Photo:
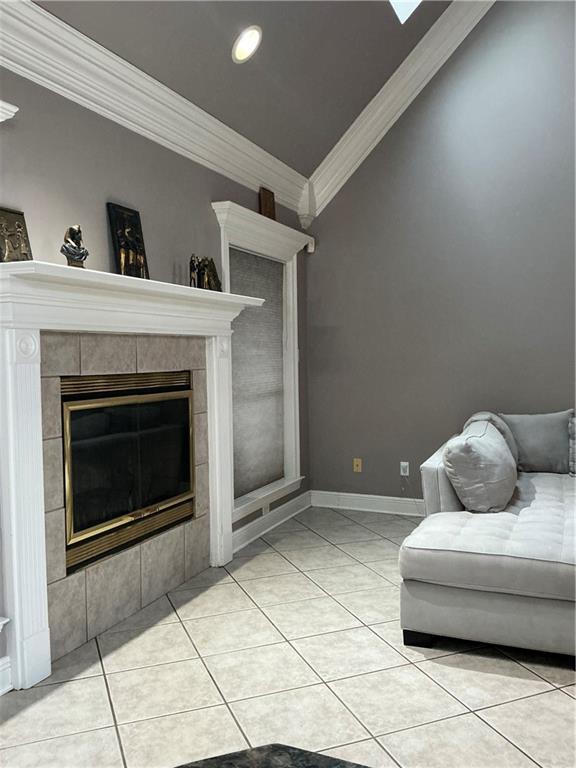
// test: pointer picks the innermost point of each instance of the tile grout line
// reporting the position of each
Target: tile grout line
(226, 704)
(323, 682)
(470, 711)
(320, 682)
(112, 710)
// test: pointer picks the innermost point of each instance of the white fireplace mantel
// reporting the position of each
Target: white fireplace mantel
(36, 296)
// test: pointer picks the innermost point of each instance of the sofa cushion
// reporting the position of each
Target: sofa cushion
(526, 550)
(500, 425)
(542, 439)
(481, 468)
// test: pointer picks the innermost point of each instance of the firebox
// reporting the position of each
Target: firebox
(128, 459)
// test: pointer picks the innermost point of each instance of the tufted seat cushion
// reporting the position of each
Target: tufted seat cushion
(529, 549)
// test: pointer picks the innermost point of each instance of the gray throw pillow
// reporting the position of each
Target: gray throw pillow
(500, 425)
(481, 468)
(572, 458)
(542, 440)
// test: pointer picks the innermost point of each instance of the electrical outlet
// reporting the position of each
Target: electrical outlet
(404, 469)
(357, 465)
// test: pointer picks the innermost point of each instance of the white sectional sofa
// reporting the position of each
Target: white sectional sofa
(505, 577)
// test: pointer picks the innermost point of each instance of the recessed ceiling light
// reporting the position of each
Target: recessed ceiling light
(246, 44)
(404, 8)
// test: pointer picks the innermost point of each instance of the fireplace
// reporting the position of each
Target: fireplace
(128, 459)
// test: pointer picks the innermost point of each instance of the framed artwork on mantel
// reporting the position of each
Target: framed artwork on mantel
(127, 241)
(14, 242)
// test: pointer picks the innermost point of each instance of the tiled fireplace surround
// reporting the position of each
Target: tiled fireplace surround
(56, 320)
(89, 601)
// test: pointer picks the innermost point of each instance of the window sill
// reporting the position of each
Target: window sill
(262, 497)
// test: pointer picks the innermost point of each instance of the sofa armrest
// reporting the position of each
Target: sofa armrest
(439, 495)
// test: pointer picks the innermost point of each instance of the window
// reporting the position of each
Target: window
(258, 373)
(259, 259)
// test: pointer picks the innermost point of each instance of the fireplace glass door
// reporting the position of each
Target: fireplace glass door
(126, 458)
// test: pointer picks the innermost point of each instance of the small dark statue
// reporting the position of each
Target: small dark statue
(73, 248)
(203, 274)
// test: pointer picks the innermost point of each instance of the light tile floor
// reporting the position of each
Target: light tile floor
(296, 641)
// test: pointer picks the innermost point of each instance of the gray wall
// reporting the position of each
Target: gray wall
(61, 163)
(444, 278)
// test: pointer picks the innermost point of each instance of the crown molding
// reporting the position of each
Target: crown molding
(7, 111)
(250, 231)
(370, 127)
(42, 48)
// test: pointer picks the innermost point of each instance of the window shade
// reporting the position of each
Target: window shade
(257, 373)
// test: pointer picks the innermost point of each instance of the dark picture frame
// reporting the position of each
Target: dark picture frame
(14, 240)
(267, 203)
(127, 241)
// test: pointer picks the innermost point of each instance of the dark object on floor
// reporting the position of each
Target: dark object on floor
(272, 756)
(419, 639)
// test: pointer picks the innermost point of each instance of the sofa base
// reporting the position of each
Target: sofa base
(418, 639)
(487, 617)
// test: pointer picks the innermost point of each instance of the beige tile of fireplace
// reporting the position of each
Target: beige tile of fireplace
(202, 501)
(162, 563)
(200, 392)
(51, 408)
(196, 546)
(60, 353)
(94, 748)
(170, 353)
(55, 545)
(112, 590)
(53, 474)
(200, 438)
(67, 614)
(107, 353)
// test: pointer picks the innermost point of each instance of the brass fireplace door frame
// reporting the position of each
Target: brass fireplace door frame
(69, 407)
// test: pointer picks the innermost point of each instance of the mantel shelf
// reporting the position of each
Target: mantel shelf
(37, 294)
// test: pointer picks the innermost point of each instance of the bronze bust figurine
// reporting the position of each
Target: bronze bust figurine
(73, 248)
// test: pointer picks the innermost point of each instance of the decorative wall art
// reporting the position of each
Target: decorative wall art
(267, 203)
(128, 241)
(203, 274)
(73, 247)
(14, 242)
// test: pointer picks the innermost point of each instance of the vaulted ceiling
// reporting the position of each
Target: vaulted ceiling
(319, 64)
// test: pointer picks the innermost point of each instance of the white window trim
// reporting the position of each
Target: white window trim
(248, 231)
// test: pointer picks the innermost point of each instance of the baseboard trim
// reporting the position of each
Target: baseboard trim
(5, 675)
(262, 525)
(364, 502)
